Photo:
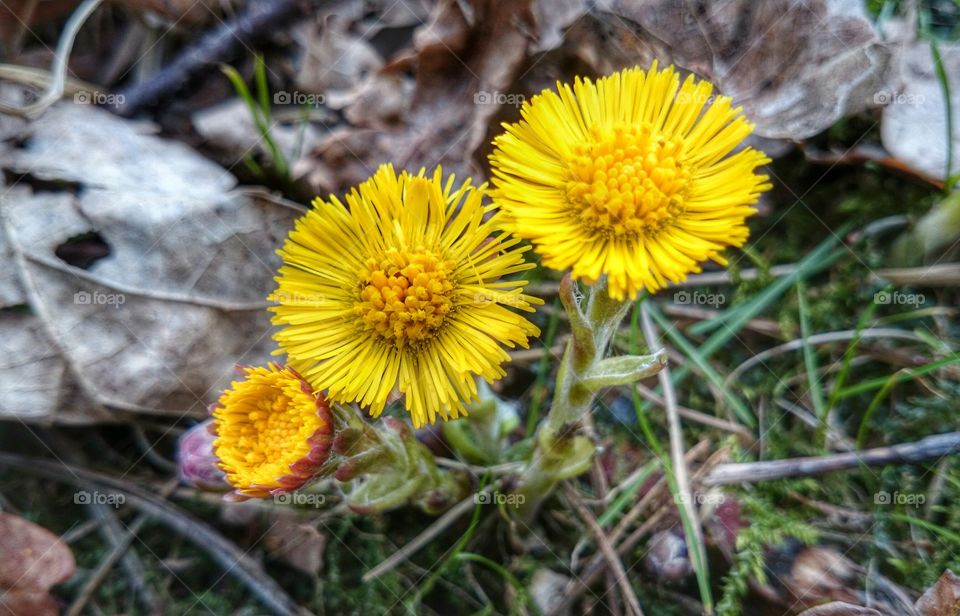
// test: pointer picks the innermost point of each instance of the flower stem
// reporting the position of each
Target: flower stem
(563, 449)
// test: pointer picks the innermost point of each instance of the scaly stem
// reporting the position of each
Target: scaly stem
(563, 450)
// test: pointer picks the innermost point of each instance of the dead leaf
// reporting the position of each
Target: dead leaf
(32, 560)
(230, 134)
(838, 608)
(941, 599)
(795, 67)
(296, 543)
(466, 58)
(336, 60)
(157, 325)
(914, 123)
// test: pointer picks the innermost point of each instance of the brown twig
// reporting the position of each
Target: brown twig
(119, 550)
(931, 447)
(606, 549)
(592, 570)
(702, 418)
(411, 547)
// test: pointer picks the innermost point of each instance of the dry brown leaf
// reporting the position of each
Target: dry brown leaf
(32, 560)
(296, 543)
(795, 67)
(468, 54)
(941, 599)
(156, 326)
(914, 127)
(336, 60)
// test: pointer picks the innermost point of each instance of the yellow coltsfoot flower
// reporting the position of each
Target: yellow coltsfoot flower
(631, 177)
(273, 432)
(400, 289)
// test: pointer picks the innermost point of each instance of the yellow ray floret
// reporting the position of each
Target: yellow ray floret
(273, 433)
(400, 289)
(631, 176)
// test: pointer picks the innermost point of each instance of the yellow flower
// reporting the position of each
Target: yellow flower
(273, 433)
(401, 290)
(630, 177)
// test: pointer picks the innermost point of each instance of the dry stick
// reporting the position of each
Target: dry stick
(606, 548)
(702, 418)
(217, 45)
(423, 538)
(653, 493)
(931, 447)
(679, 464)
(115, 533)
(631, 541)
(118, 551)
(229, 556)
(593, 569)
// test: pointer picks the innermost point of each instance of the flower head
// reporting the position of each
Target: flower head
(273, 432)
(631, 177)
(401, 290)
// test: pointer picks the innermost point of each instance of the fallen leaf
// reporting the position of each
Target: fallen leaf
(914, 122)
(941, 599)
(296, 543)
(336, 60)
(466, 59)
(795, 67)
(158, 324)
(32, 560)
(838, 608)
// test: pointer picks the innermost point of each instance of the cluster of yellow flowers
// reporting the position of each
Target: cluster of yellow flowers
(403, 288)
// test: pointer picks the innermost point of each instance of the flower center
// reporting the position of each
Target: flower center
(627, 181)
(274, 428)
(406, 297)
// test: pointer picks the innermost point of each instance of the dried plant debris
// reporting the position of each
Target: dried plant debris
(941, 599)
(32, 560)
(914, 127)
(158, 323)
(796, 67)
(465, 58)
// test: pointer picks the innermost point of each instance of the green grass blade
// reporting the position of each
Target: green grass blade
(699, 359)
(810, 362)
